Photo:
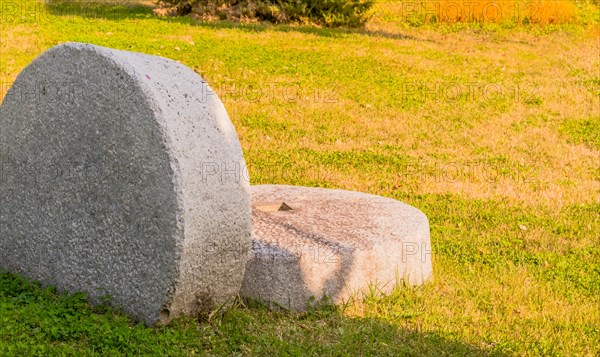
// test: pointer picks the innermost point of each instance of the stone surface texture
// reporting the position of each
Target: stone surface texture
(121, 177)
(331, 243)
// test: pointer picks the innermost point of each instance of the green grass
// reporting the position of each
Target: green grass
(38, 321)
(505, 167)
(583, 131)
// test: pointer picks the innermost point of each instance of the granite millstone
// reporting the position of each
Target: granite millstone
(121, 177)
(309, 243)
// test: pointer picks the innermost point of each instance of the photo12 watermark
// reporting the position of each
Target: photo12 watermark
(46, 91)
(472, 171)
(482, 92)
(272, 92)
(483, 11)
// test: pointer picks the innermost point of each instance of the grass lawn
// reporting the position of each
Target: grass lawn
(493, 132)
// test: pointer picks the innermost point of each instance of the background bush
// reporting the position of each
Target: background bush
(321, 12)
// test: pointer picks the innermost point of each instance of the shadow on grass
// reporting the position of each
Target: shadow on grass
(131, 10)
(41, 321)
(105, 10)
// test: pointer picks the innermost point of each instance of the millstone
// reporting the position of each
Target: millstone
(309, 243)
(121, 179)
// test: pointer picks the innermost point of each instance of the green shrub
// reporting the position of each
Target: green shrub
(320, 12)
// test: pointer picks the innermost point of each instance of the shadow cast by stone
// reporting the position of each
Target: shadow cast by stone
(325, 330)
(347, 335)
(276, 276)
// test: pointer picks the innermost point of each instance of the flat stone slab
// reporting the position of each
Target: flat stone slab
(121, 178)
(311, 242)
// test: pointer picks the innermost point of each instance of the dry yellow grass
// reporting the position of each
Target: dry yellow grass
(475, 148)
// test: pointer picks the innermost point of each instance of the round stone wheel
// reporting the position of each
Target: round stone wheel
(311, 243)
(123, 177)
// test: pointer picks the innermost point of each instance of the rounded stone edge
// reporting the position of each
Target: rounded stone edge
(198, 287)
